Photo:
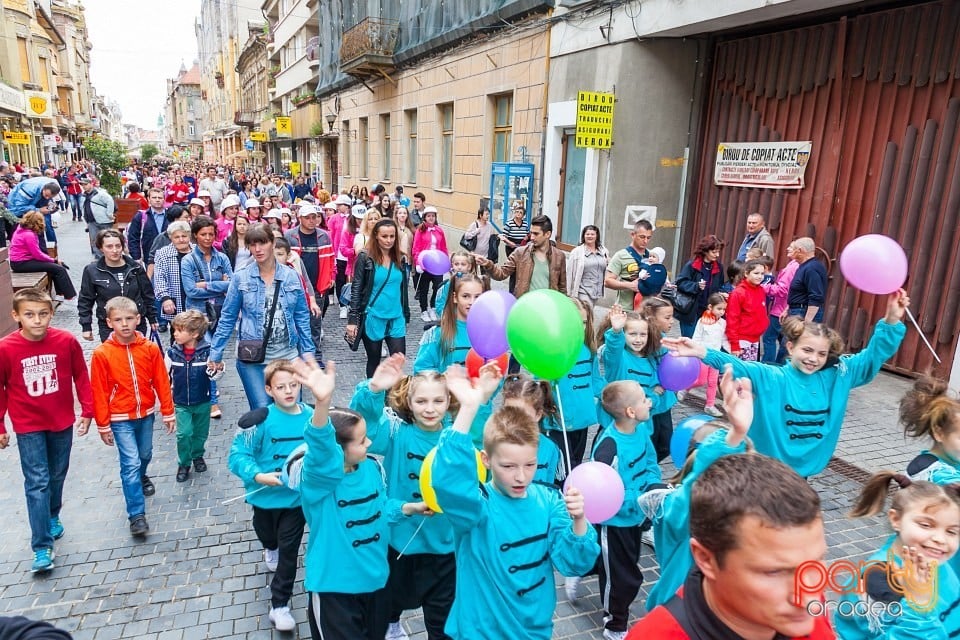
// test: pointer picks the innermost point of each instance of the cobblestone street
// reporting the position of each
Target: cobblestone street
(199, 574)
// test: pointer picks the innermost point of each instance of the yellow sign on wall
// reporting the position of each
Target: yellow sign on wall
(294, 169)
(284, 126)
(16, 137)
(258, 136)
(595, 119)
(38, 104)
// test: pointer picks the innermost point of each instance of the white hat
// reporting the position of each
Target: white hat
(197, 201)
(344, 199)
(229, 201)
(359, 211)
(660, 253)
(252, 202)
(308, 210)
(332, 206)
(275, 213)
(203, 193)
(429, 209)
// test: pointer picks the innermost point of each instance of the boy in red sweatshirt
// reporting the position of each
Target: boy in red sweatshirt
(747, 317)
(39, 369)
(128, 375)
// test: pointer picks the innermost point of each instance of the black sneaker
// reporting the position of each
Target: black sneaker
(139, 526)
(148, 488)
(199, 465)
(183, 473)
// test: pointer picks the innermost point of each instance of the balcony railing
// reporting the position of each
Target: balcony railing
(367, 48)
(243, 118)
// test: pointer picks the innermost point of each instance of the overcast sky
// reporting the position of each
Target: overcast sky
(136, 47)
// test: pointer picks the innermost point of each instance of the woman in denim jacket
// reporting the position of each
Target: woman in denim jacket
(249, 299)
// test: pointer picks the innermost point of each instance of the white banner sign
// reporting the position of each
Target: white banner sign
(12, 99)
(768, 165)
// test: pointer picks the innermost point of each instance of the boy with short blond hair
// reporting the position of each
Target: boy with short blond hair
(39, 368)
(190, 378)
(128, 376)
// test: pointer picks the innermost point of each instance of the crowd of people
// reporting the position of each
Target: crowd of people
(732, 532)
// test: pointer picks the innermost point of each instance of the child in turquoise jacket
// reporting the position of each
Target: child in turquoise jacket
(671, 518)
(576, 393)
(800, 406)
(911, 591)
(267, 436)
(632, 351)
(422, 566)
(345, 502)
(624, 445)
(448, 343)
(510, 534)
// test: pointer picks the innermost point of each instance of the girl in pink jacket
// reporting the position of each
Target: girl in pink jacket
(27, 257)
(429, 235)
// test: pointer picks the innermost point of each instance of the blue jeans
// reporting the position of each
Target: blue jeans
(44, 460)
(48, 232)
(134, 441)
(771, 341)
(251, 377)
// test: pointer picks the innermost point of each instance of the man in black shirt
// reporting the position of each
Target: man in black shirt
(808, 290)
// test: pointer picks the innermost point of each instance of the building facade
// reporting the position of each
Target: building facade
(253, 114)
(183, 108)
(73, 92)
(428, 95)
(294, 31)
(220, 31)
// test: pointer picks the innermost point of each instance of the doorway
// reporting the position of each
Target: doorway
(573, 166)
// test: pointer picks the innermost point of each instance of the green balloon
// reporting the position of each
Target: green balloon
(545, 333)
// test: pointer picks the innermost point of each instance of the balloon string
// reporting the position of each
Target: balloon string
(923, 337)
(246, 495)
(563, 425)
(420, 526)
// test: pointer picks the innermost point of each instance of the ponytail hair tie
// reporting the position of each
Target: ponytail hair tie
(902, 481)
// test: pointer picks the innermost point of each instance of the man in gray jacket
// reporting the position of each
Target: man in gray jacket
(98, 211)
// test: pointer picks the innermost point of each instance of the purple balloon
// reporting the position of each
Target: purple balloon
(435, 262)
(487, 323)
(601, 487)
(678, 372)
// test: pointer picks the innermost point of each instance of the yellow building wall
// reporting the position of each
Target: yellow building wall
(469, 77)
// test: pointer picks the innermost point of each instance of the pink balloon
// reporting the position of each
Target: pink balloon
(677, 373)
(874, 263)
(601, 487)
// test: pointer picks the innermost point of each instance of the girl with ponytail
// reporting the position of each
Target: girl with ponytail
(907, 588)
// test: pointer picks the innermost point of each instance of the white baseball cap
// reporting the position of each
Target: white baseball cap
(308, 210)
(359, 210)
(332, 206)
(252, 202)
(430, 209)
(197, 201)
(344, 199)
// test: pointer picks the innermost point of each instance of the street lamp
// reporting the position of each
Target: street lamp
(331, 118)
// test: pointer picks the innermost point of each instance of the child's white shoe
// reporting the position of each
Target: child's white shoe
(647, 538)
(614, 635)
(282, 620)
(271, 557)
(395, 632)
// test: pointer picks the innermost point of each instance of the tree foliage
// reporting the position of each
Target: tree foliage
(148, 152)
(110, 156)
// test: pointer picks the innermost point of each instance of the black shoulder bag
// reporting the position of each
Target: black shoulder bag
(354, 343)
(254, 351)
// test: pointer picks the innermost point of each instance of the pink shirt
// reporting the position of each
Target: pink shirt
(25, 245)
(780, 287)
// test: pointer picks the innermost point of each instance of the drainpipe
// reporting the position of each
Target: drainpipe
(546, 96)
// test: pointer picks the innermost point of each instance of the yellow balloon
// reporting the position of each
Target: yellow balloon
(426, 479)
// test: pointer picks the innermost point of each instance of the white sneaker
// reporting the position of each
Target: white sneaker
(647, 538)
(384, 352)
(395, 632)
(681, 395)
(343, 312)
(425, 316)
(713, 411)
(570, 586)
(282, 620)
(614, 635)
(270, 558)
(433, 315)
